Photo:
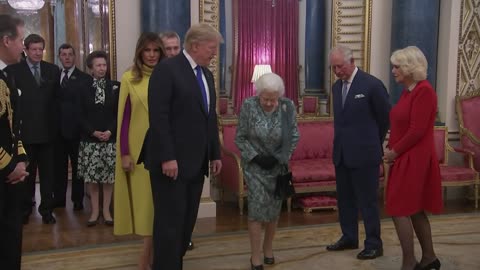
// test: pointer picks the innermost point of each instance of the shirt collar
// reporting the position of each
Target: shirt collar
(70, 70)
(2, 65)
(30, 64)
(190, 59)
(350, 80)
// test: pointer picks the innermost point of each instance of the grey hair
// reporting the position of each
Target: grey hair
(201, 32)
(411, 61)
(270, 82)
(344, 50)
(169, 34)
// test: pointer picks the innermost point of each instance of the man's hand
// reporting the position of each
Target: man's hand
(215, 166)
(170, 169)
(127, 163)
(18, 174)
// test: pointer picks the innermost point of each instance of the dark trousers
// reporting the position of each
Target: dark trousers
(11, 197)
(67, 150)
(41, 156)
(357, 189)
(176, 205)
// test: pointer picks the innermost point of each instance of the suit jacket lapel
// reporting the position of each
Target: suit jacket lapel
(193, 81)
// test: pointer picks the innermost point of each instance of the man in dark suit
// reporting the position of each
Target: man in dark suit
(182, 140)
(12, 154)
(361, 108)
(38, 81)
(72, 82)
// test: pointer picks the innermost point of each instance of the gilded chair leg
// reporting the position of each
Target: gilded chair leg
(240, 204)
(289, 204)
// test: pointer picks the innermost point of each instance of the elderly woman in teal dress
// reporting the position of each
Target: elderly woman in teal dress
(267, 134)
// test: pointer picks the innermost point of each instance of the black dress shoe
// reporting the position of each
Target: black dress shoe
(370, 254)
(269, 261)
(256, 267)
(109, 222)
(77, 206)
(342, 245)
(48, 219)
(190, 245)
(433, 265)
(94, 222)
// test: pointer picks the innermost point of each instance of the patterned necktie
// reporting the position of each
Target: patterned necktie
(36, 74)
(344, 92)
(202, 86)
(65, 79)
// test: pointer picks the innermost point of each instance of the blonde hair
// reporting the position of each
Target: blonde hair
(411, 61)
(201, 32)
(270, 82)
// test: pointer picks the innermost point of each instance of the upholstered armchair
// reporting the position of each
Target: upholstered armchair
(453, 176)
(309, 106)
(468, 111)
(231, 175)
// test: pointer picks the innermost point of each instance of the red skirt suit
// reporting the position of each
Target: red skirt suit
(414, 181)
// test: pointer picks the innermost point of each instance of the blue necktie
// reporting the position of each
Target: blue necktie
(202, 86)
(344, 92)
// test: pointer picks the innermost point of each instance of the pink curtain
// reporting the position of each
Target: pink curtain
(265, 33)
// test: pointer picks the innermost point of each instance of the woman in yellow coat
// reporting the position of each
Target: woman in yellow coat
(133, 202)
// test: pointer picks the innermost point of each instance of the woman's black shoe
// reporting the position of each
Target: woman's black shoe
(256, 267)
(267, 260)
(433, 265)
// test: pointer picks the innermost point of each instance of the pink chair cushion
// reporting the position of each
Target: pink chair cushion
(475, 148)
(223, 105)
(229, 132)
(453, 173)
(316, 141)
(317, 201)
(310, 104)
(439, 137)
(470, 109)
(312, 170)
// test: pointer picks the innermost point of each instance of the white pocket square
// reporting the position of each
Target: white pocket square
(359, 96)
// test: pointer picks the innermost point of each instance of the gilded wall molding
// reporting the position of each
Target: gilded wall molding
(209, 13)
(468, 72)
(112, 39)
(351, 26)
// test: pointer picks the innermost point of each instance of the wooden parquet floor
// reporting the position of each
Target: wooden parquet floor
(456, 239)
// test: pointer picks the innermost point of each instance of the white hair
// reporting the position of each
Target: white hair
(270, 82)
(343, 50)
(411, 61)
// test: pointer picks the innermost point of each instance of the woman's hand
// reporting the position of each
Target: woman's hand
(127, 163)
(389, 155)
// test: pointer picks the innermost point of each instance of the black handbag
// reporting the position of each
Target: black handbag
(284, 186)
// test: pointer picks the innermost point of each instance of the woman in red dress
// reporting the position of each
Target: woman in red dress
(414, 186)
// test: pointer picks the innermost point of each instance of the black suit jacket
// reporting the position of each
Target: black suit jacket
(180, 128)
(100, 117)
(39, 102)
(68, 118)
(362, 123)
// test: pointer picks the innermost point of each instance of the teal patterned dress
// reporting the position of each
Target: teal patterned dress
(261, 133)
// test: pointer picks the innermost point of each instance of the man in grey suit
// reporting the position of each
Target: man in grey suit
(361, 109)
(39, 83)
(181, 143)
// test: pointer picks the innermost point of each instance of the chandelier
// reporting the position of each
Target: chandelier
(26, 6)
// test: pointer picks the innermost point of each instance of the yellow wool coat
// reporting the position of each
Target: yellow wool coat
(133, 203)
